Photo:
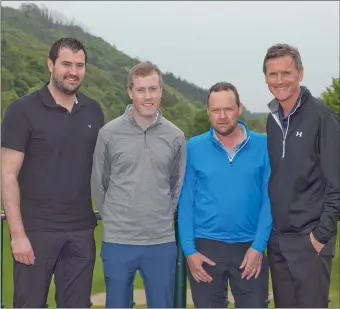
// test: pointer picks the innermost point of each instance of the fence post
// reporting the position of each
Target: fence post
(180, 297)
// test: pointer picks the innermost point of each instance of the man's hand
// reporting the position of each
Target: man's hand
(252, 264)
(22, 250)
(195, 262)
(318, 246)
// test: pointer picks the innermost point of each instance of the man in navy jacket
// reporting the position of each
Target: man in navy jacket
(304, 187)
(224, 212)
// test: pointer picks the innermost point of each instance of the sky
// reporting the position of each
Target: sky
(208, 42)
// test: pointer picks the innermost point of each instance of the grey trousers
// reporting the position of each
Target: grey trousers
(300, 276)
(228, 257)
(70, 256)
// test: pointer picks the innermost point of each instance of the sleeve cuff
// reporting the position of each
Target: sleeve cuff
(258, 246)
(322, 235)
(188, 252)
(13, 146)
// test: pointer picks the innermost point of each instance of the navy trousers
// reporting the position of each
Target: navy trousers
(156, 264)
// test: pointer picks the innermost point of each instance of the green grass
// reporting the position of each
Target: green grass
(98, 278)
(98, 284)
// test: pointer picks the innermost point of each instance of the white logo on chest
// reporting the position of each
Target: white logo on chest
(89, 126)
(299, 134)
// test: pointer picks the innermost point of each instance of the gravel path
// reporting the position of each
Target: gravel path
(139, 298)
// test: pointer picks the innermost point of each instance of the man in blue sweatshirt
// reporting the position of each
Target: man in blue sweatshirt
(224, 212)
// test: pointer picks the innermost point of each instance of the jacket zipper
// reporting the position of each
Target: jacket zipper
(279, 123)
(233, 157)
(145, 138)
(144, 132)
(283, 134)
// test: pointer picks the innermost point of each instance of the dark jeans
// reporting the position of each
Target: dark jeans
(70, 256)
(228, 258)
(157, 266)
(300, 276)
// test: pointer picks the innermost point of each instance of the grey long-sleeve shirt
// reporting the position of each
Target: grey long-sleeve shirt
(137, 177)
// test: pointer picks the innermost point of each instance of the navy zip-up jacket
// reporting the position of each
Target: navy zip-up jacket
(304, 186)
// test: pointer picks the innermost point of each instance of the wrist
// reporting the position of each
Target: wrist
(188, 253)
(255, 246)
(17, 234)
(319, 237)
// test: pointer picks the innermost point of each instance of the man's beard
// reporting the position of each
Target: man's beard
(59, 83)
(228, 132)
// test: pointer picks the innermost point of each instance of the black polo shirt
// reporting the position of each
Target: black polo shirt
(54, 179)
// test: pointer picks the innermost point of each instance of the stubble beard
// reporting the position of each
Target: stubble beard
(58, 83)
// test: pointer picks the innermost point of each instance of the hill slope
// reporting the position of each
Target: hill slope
(28, 33)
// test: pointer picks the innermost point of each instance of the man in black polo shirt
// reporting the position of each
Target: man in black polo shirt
(304, 187)
(48, 139)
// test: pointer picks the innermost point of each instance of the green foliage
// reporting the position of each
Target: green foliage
(28, 33)
(332, 96)
(201, 122)
(7, 97)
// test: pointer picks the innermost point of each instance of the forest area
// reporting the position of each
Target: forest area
(28, 33)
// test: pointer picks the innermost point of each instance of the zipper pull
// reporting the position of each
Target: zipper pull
(144, 138)
(283, 148)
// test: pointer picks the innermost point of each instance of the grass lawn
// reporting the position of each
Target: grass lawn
(98, 284)
(98, 279)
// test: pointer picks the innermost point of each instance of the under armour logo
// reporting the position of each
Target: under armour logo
(89, 126)
(298, 133)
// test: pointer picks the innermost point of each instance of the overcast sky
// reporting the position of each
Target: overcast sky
(207, 42)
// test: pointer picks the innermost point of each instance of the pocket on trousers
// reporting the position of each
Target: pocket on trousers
(327, 250)
(310, 245)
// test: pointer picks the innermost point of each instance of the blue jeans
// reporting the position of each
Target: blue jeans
(156, 264)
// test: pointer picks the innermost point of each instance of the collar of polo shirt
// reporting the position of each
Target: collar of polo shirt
(49, 101)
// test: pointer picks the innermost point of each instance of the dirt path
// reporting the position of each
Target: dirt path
(139, 298)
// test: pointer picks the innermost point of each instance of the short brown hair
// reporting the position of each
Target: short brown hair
(224, 86)
(282, 50)
(70, 43)
(141, 70)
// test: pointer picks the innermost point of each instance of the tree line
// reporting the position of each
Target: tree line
(28, 33)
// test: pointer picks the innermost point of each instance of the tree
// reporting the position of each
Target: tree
(201, 122)
(7, 97)
(332, 96)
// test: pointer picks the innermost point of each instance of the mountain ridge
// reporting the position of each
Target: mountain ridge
(28, 33)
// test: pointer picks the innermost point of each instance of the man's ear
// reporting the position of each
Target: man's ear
(240, 109)
(301, 73)
(129, 93)
(50, 65)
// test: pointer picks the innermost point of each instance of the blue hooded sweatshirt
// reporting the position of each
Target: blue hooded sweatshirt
(225, 198)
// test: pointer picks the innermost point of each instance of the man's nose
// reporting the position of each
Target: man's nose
(72, 70)
(147, 94)
(223, 114)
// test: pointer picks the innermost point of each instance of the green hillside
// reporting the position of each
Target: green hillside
(28, 33)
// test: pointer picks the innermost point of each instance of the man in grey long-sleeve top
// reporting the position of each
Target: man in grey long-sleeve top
(138, 169)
